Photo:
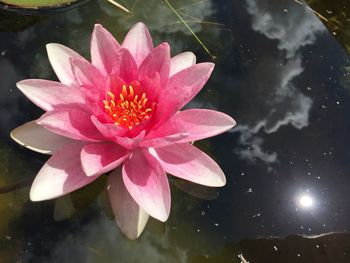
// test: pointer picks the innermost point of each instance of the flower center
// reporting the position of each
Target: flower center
(129, 109)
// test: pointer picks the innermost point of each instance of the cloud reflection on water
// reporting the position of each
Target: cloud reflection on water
(291, 24)
(271, 83)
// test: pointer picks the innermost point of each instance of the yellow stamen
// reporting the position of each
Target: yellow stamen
(131, 91)
(128, 111)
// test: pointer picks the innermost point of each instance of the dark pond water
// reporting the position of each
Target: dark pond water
(279, 72)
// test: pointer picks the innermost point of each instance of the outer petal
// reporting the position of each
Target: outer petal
(104, 50)
(148, 185)
(181, 62)
(181, 88)
(60, 175)
(71, 123)
(59, 57)
(158, 61)
(139, 42)
(100, 158)
(37, 138)
(50, 95)
(197, 124)
(129, 216)
(187, 162)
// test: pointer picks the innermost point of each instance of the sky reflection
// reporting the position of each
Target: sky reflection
(274, 75)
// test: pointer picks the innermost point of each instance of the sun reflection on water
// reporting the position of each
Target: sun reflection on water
(306, 201)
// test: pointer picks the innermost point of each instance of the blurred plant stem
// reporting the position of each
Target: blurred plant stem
(189, 28)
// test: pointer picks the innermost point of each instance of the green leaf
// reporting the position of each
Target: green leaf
(37, 3)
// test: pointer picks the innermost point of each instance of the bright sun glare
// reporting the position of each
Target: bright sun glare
(306, 201)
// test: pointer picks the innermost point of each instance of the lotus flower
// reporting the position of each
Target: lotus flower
(122, 110)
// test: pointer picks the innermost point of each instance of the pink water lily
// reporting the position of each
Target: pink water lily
(122, 110)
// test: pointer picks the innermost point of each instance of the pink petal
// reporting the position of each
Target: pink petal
(59, 57)
(71, 123)
(130, 143)
(181, 62)
(164, 141)
(158, 61)
(60, 175)
(129, 216)
(104, 50)
(196, 123)
(181, 88)
(108, 130)
(152, 85)
(91, 82)
(187, 162)
(139, 42)
(148, 185)
(128, 67)
(50, 95)
(101, 158)
(37, 138)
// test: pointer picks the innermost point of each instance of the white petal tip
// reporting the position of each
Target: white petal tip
(211, 65)
(220, 183)
(215, 182)
(228, 121)
(162, 217)
(90, 174)
(50, 46)
(233, 123)
(34, 196)
(20, 84)
(139, 24)
(38, 194)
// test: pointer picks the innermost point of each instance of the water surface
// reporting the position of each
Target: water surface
(279, 72)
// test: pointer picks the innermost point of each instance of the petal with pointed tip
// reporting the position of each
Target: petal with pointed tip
(60, 175)
(104, 50)
(129, 216)
(181, 88)
(181, 62)
(158, 61)
(59, 57)
(50, 95)
(188, 162)
(147, 183)
(196, 123)
(36, 138)
(101, 158)
(139, 42)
